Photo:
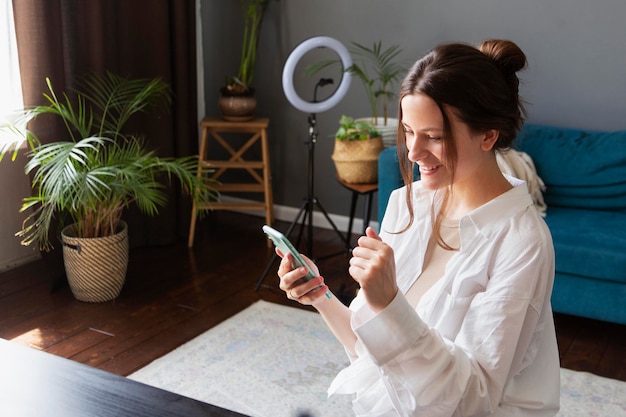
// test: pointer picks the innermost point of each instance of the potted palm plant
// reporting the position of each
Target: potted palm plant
(357, 145)
(379, 73)
(237, 100)
(95, 174)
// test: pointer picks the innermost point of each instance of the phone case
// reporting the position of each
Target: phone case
(281, 242)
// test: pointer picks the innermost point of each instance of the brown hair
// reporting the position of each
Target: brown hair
(480, 85)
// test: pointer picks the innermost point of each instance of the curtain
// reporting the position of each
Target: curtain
(65, 39)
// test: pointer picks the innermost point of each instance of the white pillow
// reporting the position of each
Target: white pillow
(520, 165)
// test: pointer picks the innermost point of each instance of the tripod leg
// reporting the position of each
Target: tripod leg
(265, 272)
(345, 239)
(304, 208)
(301, 228)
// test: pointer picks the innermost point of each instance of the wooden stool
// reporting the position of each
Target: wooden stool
(368, 191)
(259, 170)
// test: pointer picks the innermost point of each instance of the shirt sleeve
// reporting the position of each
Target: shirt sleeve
(426, 374)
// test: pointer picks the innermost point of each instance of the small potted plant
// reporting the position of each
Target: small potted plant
(237, 100)
(379, 74)
(357, 145)
(94, 174)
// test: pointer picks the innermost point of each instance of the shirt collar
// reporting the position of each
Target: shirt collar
(501, 208)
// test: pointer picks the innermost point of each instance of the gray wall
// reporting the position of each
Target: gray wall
(576, 76)
(14, 185)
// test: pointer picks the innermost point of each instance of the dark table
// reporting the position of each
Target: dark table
(35, 383)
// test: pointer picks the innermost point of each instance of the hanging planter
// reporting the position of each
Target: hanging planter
(95, 267)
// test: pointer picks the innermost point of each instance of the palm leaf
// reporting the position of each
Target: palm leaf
(100, 170)
(117, 98)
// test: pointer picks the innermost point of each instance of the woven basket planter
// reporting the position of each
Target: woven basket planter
(95, 267)
(356, 161)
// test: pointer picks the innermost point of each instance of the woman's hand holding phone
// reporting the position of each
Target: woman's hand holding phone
(299, 276)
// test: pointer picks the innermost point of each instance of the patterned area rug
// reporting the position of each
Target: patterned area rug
(276, 361)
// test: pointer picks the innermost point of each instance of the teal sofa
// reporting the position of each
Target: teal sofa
(585, 176)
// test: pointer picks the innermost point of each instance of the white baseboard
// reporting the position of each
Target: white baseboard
(288, 214)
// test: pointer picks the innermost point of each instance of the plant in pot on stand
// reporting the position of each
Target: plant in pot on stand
(379, 73)
(357, 145)
(94, 175)
(237, 100)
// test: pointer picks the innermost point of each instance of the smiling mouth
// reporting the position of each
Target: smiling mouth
(429, 168)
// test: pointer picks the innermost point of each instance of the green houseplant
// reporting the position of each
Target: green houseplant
(253, 13)
(97, 172)
(379, 72)
(357, 145)
(351, 129)
(237, 100)
(385, 73)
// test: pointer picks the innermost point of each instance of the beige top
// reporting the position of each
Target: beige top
(435, 260)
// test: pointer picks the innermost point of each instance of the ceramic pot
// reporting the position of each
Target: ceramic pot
(237, 107)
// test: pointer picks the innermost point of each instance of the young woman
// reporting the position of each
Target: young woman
(453, 317)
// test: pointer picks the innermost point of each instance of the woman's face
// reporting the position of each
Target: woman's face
(423, 125)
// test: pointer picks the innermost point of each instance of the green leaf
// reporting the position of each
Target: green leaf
(98, 170)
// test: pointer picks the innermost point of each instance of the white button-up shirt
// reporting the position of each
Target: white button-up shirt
(481, 340)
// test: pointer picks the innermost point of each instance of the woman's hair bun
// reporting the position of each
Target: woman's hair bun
(506, 54)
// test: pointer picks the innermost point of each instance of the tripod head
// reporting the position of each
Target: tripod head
(312, 119)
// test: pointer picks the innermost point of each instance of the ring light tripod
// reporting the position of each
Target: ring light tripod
(311, 202)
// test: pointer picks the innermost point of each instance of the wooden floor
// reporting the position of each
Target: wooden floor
(173, 294)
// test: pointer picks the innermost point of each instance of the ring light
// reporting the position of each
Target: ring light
(310, 202)
(290, 67)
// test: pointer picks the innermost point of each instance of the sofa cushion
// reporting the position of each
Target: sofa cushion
(589, 243)
(581, 168)
(593, 298)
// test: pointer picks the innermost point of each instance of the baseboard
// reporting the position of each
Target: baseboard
(14, 263)
(288, 214)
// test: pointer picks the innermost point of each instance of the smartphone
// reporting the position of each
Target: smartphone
(284, 245)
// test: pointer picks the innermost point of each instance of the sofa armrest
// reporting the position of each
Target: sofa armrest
(389, 178)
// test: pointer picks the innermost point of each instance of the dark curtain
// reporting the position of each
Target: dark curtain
(65, 39)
